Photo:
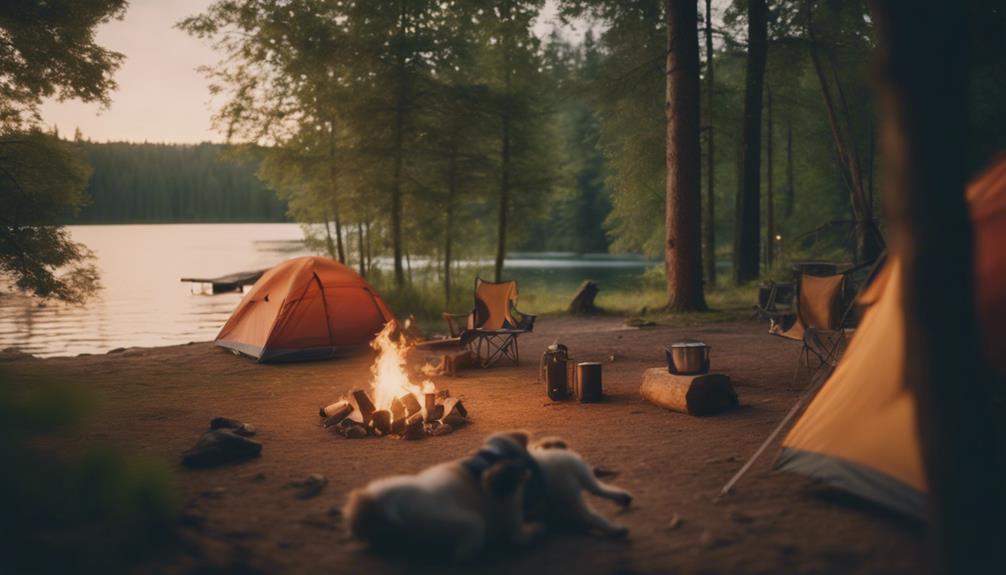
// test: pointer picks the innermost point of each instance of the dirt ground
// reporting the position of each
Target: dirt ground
(156, 403)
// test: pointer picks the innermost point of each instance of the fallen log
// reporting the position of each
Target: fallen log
(705, 394)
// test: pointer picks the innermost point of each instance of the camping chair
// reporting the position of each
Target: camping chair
(492, 327)
(826, 312)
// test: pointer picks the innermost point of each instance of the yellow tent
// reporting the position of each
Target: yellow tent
(859, 433)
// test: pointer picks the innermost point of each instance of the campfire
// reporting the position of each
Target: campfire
(394, 405)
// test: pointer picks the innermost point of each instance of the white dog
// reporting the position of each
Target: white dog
(453, 509)
(557, 500)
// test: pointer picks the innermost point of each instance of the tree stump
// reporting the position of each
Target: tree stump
(583, 301)
(705, 394)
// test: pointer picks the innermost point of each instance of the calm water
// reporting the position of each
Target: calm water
(143, 303)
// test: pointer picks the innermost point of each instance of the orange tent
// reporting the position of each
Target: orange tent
(305, 308)
(859, 433)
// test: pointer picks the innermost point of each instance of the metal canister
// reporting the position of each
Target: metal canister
(555, 371)
(588, 382)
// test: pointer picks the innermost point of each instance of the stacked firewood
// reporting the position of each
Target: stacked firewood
(357, 417)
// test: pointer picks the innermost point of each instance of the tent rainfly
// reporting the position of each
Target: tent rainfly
(304, 309)
(859, 433)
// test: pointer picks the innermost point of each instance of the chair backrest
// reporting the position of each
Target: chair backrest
(819, 301)
(493, 302)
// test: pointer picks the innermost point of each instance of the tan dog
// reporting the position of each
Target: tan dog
(454, 509)
(564, 477)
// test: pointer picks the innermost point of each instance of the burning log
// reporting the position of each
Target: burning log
(411, 404)
(382, 421)
(414, 429)
(335, 413)
(437, 428)
(436, 413)
(692, 394)
(430, 398)
(335, 408)
(398, 409)
(455, 413)
(361, 400)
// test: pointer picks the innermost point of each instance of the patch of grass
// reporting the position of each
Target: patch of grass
(61, 512)
(425, 299)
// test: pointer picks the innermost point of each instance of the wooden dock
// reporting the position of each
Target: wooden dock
(229, 282)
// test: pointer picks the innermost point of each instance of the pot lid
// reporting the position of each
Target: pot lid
(688, 343)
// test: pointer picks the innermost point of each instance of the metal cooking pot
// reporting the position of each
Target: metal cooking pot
(688, 357)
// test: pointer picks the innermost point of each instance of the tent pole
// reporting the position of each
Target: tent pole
(821, 376)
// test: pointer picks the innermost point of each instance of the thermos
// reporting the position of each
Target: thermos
(555, 370)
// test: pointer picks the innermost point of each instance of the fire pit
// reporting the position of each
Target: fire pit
(394, 405)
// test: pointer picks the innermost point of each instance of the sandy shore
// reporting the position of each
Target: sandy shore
(156, 402)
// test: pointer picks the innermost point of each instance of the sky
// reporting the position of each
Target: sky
(161, 96)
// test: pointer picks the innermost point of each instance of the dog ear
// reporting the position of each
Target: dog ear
(520, 436)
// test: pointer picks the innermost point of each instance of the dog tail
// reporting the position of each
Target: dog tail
(366, 518)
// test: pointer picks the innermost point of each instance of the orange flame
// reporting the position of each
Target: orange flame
(390, 377)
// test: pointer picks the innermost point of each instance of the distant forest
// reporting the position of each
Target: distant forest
(171, 183)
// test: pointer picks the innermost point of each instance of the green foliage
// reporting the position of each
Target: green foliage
(42, 182)
(48, 51)
(62, 512)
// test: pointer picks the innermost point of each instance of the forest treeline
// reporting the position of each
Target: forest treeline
(172, 183)
(452, 130)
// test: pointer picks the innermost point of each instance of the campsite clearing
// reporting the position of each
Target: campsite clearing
(155, 402)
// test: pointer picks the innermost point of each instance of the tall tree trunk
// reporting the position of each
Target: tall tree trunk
(363, 257)
(709, 257)
(747, 224)
(769, 183)
(452, 193)
(396, 182)
(329, 244)
(340, 247)
(925, 142)
(333, 174)
(869, 243)
(790, 190)
(683, 246)
(504, 199)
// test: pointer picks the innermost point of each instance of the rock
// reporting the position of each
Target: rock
(583, 300)
(260, 476)
(438, 428)
(220, 446)
(335, 512)
(238, 427)
(310, 486)
(351, 429)
(639, 322)
(116, 350)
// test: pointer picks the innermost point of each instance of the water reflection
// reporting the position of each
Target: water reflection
(143, 303)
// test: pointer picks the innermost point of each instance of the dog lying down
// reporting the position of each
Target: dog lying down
(501, 495)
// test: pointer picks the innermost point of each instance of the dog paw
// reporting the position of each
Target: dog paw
(624, 499)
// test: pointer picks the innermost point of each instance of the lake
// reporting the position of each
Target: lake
(143, 303)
